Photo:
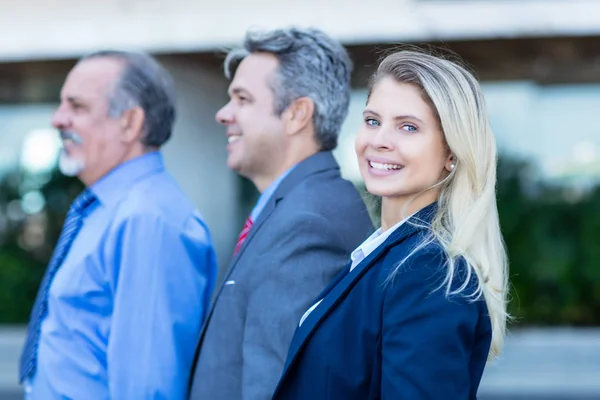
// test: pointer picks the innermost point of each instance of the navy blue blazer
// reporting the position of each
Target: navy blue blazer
(400, 340)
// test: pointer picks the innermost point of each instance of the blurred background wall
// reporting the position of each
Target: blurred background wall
(539, 63)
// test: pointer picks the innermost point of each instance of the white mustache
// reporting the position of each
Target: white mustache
(68, 135)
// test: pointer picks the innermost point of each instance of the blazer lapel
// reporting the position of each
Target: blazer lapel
(263, 216)
(316, 163)
(337, 293)
(321, 161)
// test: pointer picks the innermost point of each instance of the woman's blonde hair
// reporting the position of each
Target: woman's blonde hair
(466, 221)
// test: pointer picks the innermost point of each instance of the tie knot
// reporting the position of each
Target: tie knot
(83, 201)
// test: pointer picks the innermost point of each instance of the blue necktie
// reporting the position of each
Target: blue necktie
(73, 222)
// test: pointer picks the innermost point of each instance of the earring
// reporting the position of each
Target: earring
(452, 166)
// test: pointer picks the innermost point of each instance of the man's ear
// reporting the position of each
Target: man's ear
(132, 124)
(298, 115)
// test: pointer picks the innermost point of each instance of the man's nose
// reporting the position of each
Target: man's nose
(225, 115)
(60, 119)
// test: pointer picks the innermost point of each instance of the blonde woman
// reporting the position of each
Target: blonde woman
(421, 306)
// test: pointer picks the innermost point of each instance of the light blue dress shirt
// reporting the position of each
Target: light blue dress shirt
(126, 306)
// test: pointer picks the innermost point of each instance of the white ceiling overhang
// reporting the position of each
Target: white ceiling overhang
(53, 29)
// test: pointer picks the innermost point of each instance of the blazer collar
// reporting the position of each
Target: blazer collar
(316, 163)
(336, 291)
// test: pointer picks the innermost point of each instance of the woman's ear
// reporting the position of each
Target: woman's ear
(451, 163)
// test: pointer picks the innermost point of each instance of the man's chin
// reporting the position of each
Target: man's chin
(69, 166)
(233, 164)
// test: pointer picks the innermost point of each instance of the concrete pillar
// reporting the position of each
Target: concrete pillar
(196, 154)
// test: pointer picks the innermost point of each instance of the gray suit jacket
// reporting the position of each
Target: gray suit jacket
(300, 241)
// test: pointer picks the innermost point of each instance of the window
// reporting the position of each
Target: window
(34, 199)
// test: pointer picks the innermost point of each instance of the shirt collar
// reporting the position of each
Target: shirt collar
(112, 187)
(372, 242)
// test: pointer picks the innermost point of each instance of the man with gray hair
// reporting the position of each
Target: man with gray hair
(288, 99)
(127, 288)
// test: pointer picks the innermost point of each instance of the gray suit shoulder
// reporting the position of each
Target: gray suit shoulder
(327, 195)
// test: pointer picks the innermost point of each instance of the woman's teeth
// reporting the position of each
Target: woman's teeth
(387, 167)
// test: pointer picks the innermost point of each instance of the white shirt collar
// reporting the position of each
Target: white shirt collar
(372, 242)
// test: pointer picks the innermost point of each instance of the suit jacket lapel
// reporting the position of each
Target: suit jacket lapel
(263, 216)
(344, 285)
(319, 162)
(316, 163)
(343, 273)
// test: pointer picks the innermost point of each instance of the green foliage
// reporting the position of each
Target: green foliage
(20, 275)
(22, 264)
(554, 249)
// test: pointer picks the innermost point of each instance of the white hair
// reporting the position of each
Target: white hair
(466, 221)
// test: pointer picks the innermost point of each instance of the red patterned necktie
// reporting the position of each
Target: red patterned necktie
(243, 235)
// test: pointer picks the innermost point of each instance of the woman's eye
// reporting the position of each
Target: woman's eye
(409, 128)
(371, 122)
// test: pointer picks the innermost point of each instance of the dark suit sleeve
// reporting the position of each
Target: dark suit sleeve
(426, 337)
(304, 259)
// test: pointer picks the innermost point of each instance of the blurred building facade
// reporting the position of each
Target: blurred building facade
(533, 53)
(537, 59)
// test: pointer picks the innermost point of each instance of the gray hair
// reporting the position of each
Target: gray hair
(311, 64)
(145, 84)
